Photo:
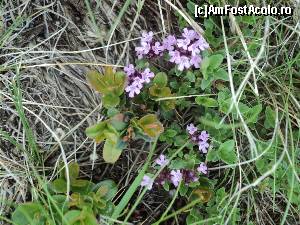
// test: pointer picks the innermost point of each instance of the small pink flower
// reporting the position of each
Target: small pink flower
(129, 70)
(194, 48)
(133, 90)
(202, 168)
(184, 63)
(169, 42)
(189, 34)
(183, 43)
(191, 129)
(203, 146)
(202, 44)
(146, 75)
(162, 160)
(147, 36)
(195, 61)
(143, 49)
(147, 182)
(176, 177)
(175, 56)
(204, 136)
(157, 48)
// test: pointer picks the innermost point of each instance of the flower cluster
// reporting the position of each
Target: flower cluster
(185, 51)
(136, 79)
(200, 138)
(149, 48)
(174, 176)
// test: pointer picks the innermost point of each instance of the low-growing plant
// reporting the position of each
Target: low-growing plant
(86, 203)
(145, 85)
(190, 86)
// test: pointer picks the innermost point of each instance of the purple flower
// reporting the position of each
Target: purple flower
(202, 168)
(176, 177)
(195, 61)
(157, 48)
(169, 42)
(199, 138)
(183, 43)
(133, 90)
(191, 129)
(147, 182)
(129, 70)
(194, 49)
(202, 44)
(203, 146)
(147, 36)
(203, 136)
(136, 80)
(184, 63)
(146, 75)
(189, 34)
(143, 49)
(162, 160)
(175, 56)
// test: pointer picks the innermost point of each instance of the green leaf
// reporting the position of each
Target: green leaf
(107, 189)
(94, 78)
(253, 113)
(150, 125)
(161, 79)
(82, 186)
(119, 82)
(117, 121)
(76, 200)
(160, 91)
(97, 131)
(191, 7)
(111, 112)
(190, 76)
(205, 83)
(179, 164)
(73, 171)
(29, 213)
(207, 102)
(112, 137)
(212, 156)
(203, 194)
(59, 185)
(61, 201)
(110, 100)
(73, 216)
(111, 151)
(108, 84)
(170, 133)
(210, 68)
(77, 217)
(215, 61)
(221, 74)
(226, 152)
(183, 189)
(204, 67)
(270, 118)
